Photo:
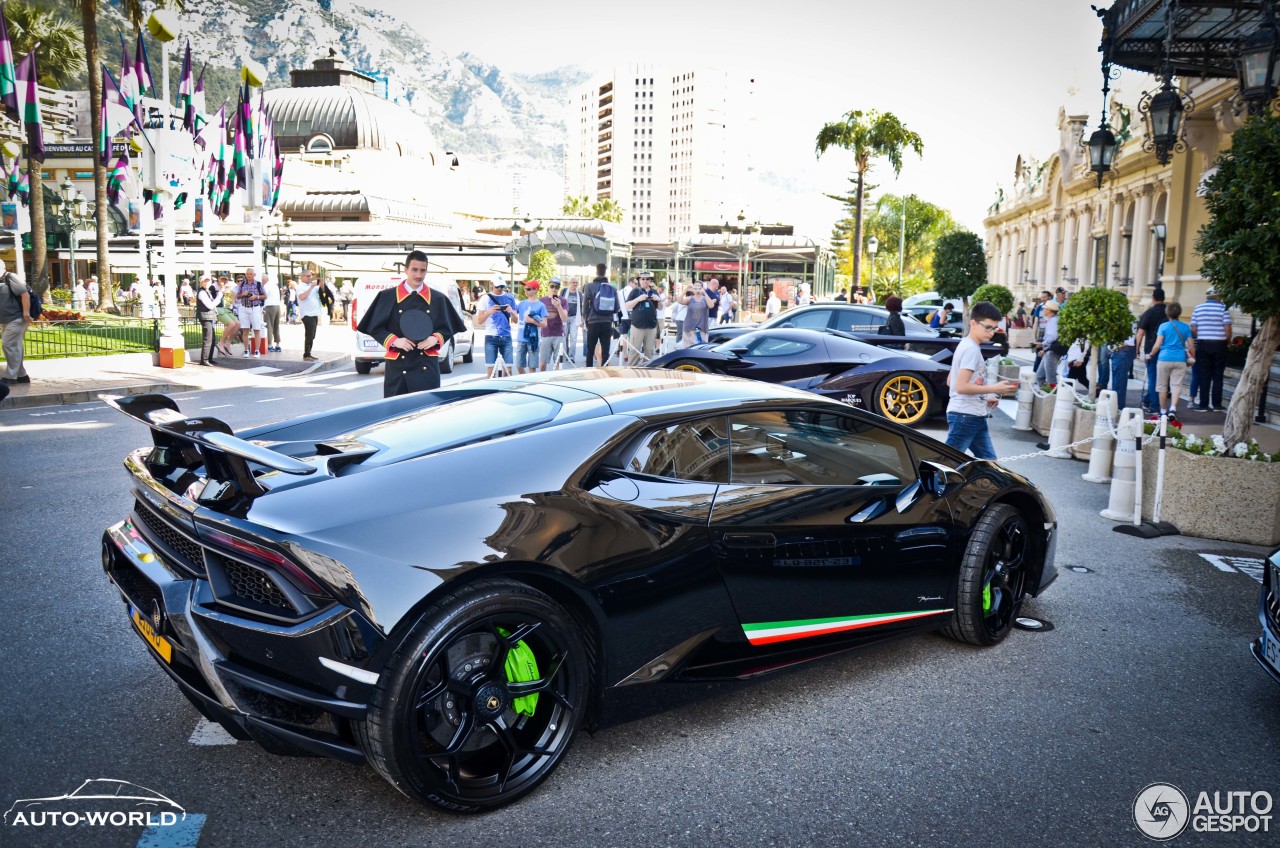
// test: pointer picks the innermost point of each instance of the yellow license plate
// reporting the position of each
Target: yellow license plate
(155, 640)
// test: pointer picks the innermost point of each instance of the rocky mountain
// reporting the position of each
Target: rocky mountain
(474, 108)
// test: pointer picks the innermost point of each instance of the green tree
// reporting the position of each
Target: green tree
(1241, 250)
(998, 295)
(542, 266)
(58, 59)
(867, 135)
(607, 209)
(959, 265)
(1101, 317)
(926, 223)
(577, 207)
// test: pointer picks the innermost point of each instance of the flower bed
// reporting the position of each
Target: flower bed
(1214, 496)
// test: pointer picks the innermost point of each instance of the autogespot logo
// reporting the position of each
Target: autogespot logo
(98, 803)
(1160, 811)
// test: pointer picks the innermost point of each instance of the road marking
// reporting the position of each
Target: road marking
(210, 733)
(355, 384)
(261, 369)
(1248, 566)
(332, 375)
(42, 426)
(268, 400)
(219, 406)
(62, 412)
(185, 833)
(313, 394)
(184, 397)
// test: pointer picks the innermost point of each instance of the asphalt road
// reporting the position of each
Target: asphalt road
(1043, 740)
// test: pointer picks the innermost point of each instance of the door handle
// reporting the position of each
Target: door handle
(749, 540)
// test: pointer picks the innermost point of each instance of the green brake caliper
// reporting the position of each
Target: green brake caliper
(521, 667)
(986, 601)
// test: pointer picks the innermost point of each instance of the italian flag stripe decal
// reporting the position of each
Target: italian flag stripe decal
(781, 631)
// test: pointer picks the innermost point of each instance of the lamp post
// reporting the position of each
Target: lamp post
(72, 211)
(511, 260)
(873, 245)
(1259, 63)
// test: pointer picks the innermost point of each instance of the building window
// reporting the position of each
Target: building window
(320, 144)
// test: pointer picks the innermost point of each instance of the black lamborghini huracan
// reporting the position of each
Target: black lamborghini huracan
(444, 584)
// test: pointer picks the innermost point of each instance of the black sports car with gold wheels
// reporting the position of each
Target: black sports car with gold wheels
(445, 584)
(903, 386)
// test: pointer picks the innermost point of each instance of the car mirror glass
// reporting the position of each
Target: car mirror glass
(936, 477)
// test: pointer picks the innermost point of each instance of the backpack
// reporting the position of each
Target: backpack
(37, 305)
(326, 296)
(605, 299)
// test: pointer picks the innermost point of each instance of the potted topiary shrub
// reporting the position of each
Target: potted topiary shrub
(1102, 317)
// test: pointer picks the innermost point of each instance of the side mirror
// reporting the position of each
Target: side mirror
(936, 477)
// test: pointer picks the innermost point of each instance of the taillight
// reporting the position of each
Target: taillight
(354, 306)
(287, 567)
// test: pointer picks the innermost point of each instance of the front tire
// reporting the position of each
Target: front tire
(992, 578)
(689, 365)
(482, 700)
(903, 398)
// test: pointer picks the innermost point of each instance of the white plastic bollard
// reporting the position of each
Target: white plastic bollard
(1103, 442)
(1026, 397)
(1125, 467)
(1063, 416)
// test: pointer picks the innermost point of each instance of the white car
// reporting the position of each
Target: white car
(923, 299)
(369, 351)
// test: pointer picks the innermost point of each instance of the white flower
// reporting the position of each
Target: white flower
(1192, 440)
(1219, 444)
(1241, 450)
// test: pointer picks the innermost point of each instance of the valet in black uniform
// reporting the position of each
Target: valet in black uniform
(413, 322)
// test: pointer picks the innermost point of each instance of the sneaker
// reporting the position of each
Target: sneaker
(256, 354)
(309, 358)
(1215, 409)
(246, 353)
(1202, 408)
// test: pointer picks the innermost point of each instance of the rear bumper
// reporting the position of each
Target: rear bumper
(287, 686)
(1269, 628)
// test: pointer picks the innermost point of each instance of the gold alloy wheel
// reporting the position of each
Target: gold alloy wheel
(686, 365)
(903, 398)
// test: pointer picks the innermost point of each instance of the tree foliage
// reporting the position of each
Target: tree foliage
(1241, 242)
(605, 209)
(1241, 250)
(867, 135)
(542, 266)
(1101, 316)
(959, 264)
(998, 295)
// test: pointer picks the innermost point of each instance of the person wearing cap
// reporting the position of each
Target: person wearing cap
(92, 292)
(573, 303)
(496, 313)
(207, 302)
(1047, 371)
(1211, 326)
(645, 304)
(250, 295)
(551, 340)
(411, 364)
(531, 316)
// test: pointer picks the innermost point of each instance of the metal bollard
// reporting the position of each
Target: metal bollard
(1103, 443)
(1026, 397)
(1063, 415)
(1124, 470)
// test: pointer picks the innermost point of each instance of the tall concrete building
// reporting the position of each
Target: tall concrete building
(657, 141)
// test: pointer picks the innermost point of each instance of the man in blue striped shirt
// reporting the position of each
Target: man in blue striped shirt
(1211, 325)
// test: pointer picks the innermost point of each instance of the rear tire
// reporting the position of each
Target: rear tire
(992, 577)
(903, 398)
(446, 359)
(449, 724)
(363, 367)
(689, 365)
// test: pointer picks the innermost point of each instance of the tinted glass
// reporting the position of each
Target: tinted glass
(808, 319)
(811, 448)
(694, 450)
(767, 346)
(858, 319)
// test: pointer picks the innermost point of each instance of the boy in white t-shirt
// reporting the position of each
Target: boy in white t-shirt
(970, 396)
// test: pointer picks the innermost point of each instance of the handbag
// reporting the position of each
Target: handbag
(1191, 359)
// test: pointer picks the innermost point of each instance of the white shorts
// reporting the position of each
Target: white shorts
(250, 317)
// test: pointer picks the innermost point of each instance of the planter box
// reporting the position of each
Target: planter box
(1009, 372)
(1021, 338)
(1233, 500)
(1082, 428)
(1042, 413)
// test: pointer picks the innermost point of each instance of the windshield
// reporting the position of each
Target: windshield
(452, 424)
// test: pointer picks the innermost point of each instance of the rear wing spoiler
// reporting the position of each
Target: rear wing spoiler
(161, 414)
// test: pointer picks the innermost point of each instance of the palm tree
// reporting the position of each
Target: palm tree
(607, 209)
(867, 135)
(577, 206)
(58, 60)
(89, 20)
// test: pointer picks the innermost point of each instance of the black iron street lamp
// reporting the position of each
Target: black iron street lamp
(72, 211)
(1165, 110)
(1259, 63)
(1102, 144)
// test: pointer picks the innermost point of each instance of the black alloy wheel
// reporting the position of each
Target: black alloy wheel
(482, 700)
(992, 578)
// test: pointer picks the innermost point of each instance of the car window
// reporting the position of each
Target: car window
(693, 450)
(808, 319)
(859, 319)
(816, 448)
(769, 346)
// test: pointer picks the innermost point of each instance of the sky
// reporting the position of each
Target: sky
(980, 82)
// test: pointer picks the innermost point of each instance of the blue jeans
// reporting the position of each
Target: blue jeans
(1104, 367)
(527, 356)
(1151, 399)
(1121, 362)
(493, 345)
(969, 432)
